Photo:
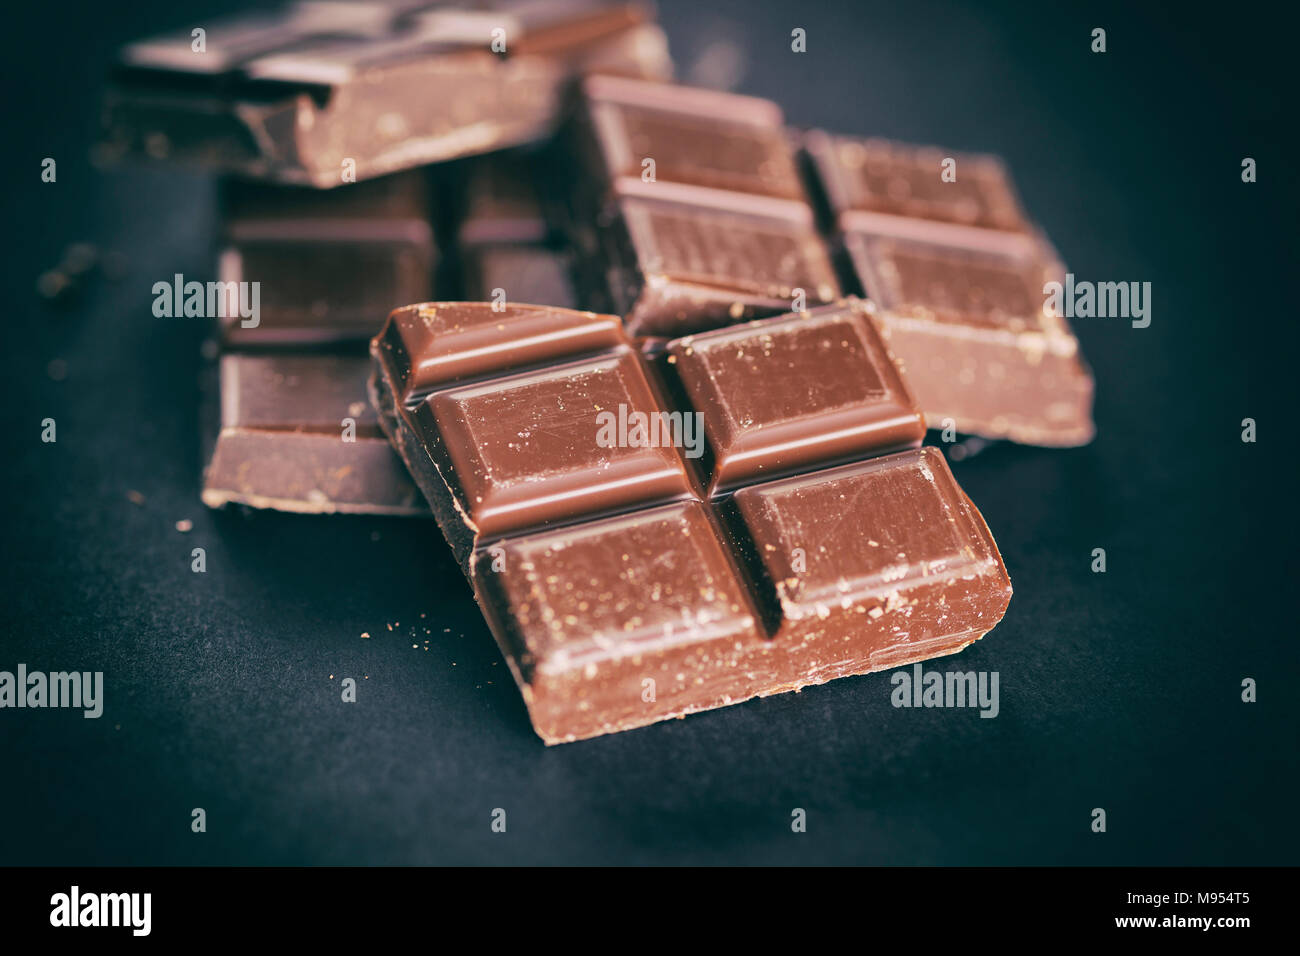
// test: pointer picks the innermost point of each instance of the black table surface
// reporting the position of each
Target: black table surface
(1120, 691)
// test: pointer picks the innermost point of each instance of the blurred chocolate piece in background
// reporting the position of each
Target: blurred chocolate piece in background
(886, 178)
(330, 264)
(507, 250)
(325, 93)
(940, 243)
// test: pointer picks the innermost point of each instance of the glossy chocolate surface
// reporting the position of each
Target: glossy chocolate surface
(524, 451)
(633, 582)
(444, 342)
(780, 394)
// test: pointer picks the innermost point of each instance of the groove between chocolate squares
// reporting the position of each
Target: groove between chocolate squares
(409, 419)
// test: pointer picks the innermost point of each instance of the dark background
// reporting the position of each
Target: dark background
(1118, 690)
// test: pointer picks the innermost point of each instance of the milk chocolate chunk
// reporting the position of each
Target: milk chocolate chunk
(679, 266)
(923, 572)
(296, 429)
(592, 613)
(329, 265)
(958, 272)
(604, 568)
(780, 394)
(694, 137)
(969, 326)
(297, 433)
(440, 343)
(524, 450)
(427, 349)
(317, 92)
(886, 178)
(691, 211)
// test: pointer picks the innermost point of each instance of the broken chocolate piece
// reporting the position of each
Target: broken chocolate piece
(297, 433)
(623, 579)
(690, 212)
(616, 623)
(967, 323)
(324, 93)
(328, 265)
(958, 274)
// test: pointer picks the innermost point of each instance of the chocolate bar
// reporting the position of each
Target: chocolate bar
(959, 273)
(325, 93)
(678, 219)
(656, 531)
(689, 207)
(298, 433)
(295, 430)
(508, 251)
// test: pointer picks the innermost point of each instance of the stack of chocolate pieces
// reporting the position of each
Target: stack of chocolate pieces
(320, 90)
(295, 429)
(320, 115)
(710, 486)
